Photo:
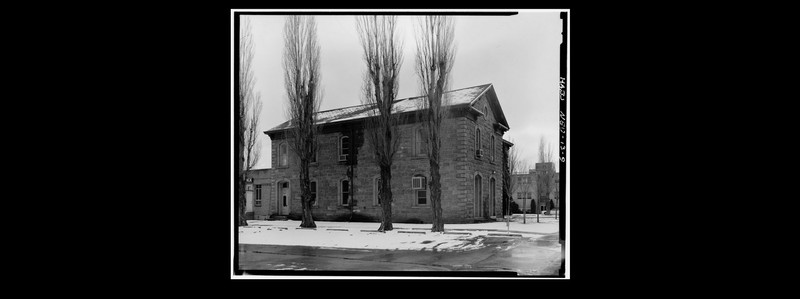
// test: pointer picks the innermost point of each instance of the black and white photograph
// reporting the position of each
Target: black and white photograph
(400, 144)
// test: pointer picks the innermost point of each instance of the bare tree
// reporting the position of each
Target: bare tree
(514, 166)
(434, 62)
(544, 177)
(301, 61)
(383, 57)
(249, 108)
(518, 165)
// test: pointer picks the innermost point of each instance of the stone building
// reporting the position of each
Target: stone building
(345, 177)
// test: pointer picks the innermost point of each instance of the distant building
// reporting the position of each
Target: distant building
(526, 188)
(344, 176)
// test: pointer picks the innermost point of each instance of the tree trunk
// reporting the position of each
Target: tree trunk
(436, 194)
(305, 195)
(241, 204)
(386, 199)
(240, 196)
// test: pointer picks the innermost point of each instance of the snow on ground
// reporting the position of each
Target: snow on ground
(405, 236)
(357, 239)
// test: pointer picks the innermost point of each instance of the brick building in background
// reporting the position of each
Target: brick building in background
(345, 177)
(526, 188)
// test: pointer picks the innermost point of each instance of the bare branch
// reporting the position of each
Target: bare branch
(247, 118)
(301, 61)
(433, 65)
(382, 53)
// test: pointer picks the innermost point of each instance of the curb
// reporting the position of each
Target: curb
(410, 232)
(505, 235)
(457, 233)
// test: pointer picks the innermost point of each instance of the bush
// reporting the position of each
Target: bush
(515, 208)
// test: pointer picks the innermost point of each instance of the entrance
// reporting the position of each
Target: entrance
(491, 197)
(477, 202)
(283, 198)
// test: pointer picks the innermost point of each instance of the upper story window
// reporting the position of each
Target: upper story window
(485, 111)
(344, 148)
(492, 148)
(420, 143)
(283, 155)
(314, 156)
(478, 142)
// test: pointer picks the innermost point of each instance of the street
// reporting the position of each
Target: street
(524, 256)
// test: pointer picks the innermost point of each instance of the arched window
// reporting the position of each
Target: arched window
(344, 148)
(477, 142)
(485, 111)
(283, 155)
(420, 143)
(344, 192)
(492, 147)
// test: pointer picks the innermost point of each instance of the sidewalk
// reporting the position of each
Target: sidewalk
(404, 236)
(547, 225)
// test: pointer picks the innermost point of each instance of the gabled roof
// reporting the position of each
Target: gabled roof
(458, 97)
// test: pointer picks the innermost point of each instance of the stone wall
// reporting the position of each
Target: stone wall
(458, 167)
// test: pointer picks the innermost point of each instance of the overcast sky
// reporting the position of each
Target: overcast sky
(518, 54)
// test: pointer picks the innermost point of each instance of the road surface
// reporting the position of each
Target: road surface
(522, 256)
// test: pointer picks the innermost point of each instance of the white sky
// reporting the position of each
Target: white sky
(518, 54)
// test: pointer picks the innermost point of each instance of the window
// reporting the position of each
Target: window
(418, 182)
(492, 147)
(376, 192)
(314, 193)
(420, 186)
(420, 143)
(422, 197)
(344, 148)
(314, 156)
(477, 142)
(283, 155)
(258, 196)
(345, 194)
(485, 111)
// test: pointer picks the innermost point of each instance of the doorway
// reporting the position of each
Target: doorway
(491, 197)
(283, 198)
(477, 201)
